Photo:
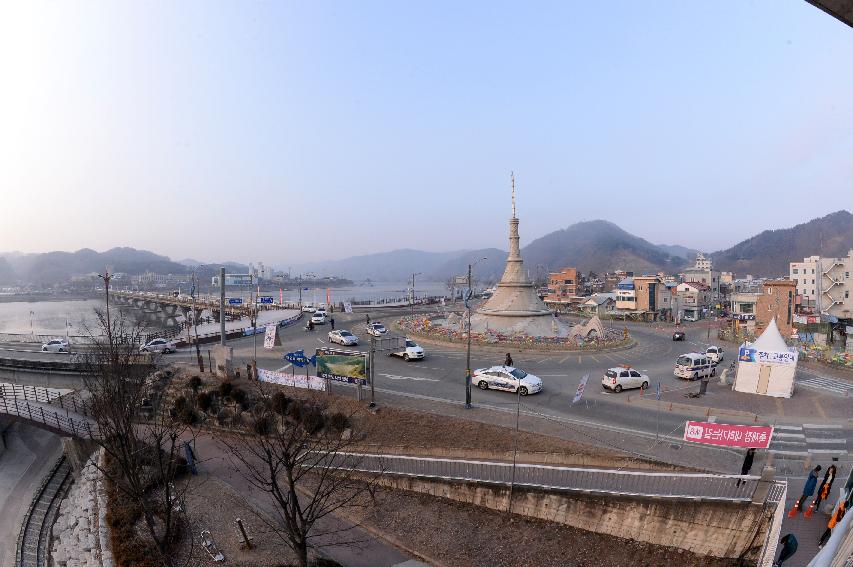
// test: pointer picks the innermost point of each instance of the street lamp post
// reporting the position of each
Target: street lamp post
(413, 291)
(468, 298)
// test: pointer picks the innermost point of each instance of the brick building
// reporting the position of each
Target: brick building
(562, 286)
(777, 300)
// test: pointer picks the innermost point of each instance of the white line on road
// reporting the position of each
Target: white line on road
(797, 453)
(829, 451)
(789, 427)
(780, 442)
(283, 368)
(797, 435)
(826, 441)
(824, 426)
(415, 378)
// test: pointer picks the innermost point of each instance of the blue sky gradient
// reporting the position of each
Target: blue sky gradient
(320, 130)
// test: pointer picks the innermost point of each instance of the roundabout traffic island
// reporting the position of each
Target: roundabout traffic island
(451, 328)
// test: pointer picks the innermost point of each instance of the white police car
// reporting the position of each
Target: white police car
(506, 378)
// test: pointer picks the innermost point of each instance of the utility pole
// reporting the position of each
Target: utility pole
(413, 291)
(468, 298)
(195, 323)
(222, 306)
(370, 371)
(107, 277)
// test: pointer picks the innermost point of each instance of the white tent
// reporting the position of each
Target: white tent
(767, 366)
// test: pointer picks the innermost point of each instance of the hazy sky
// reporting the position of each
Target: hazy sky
(285, 132)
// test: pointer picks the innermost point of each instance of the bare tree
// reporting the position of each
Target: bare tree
(295, 451)
(142, 439)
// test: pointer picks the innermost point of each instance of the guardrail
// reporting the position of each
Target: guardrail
(70, 401)
(677, 486)
(74, 425)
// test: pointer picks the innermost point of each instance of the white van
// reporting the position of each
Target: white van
(715, 353)
(694, 365)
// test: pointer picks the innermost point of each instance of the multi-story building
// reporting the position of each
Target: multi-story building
(646, 292)
(562, 285)
(776, 300)
(835, 302)
(743, 312)
(703, 263)
(710, 278)
(692, 298)
(806, 277)
(626, 297)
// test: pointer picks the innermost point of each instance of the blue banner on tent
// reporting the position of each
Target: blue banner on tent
(298, 358)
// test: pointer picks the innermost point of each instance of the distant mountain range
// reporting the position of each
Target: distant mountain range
(598, 245)
(54, 267)
(602, 246)
(770, 252)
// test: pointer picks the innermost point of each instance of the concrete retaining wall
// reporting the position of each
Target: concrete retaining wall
(706, 528)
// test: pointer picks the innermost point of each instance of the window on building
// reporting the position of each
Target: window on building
(846, 295)
(812, 282)
(796, 271)
(812, 270)
(796, 281)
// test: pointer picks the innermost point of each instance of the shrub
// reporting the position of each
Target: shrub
(205, 401)
(313, 419)
(180, 404)
(247, 404)
(195, 383)
(280, 403)
(295, 411)
(188, 415)
(224, 416)
(225, 389)
(238, 395)
(262, 425)
(337, 422)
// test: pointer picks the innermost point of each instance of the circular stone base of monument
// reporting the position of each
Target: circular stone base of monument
(545, 333)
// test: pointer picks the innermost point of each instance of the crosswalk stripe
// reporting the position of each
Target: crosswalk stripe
(826, 441)
(790, 427)
(829, 451)
(797, 435)
(798, 453)
(780, 442)
(823, 426)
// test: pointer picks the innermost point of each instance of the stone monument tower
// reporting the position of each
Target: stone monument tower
(515, 306)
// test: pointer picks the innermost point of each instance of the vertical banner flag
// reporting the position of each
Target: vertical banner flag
(347, 307)
(581, 388)
(280, 296)
(328, 298)
(657, 393)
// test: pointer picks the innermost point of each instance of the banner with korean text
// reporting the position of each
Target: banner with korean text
(746, 436)
(296, 381)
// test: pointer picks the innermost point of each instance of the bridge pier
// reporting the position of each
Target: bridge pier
(78, 451)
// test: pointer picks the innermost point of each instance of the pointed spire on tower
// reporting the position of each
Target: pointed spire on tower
(512, 177)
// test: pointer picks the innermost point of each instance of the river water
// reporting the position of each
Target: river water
(50, 317)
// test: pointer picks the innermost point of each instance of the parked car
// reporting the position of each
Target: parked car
(691, 318)
(55, 345)
(376, 329)
(507, 378)
(410, 351)
(342, 337)
(715, 353)
(622, 378)
(308, 309)
(318, 318)
(694, 365)
(159, 345)
(679, 336)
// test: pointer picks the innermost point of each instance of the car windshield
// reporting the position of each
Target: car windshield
(684, 361)
(346, 334)
(610, 374)
(411, 344)
(518, 373)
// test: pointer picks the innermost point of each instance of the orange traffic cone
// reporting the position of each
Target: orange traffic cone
(808, 513)
(794, 510)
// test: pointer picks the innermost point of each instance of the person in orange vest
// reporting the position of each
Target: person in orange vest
(833, 521)
(822, 491)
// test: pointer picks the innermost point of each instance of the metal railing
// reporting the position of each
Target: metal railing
(65, 399)
(673, 485)
(60, 420)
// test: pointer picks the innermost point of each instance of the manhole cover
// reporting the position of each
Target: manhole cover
(675, 446)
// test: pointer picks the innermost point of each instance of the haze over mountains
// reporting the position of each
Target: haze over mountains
(597, 245)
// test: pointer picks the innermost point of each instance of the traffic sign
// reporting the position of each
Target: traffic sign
(266, 300)
(234, 300)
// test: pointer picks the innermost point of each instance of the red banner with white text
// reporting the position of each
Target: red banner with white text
(757, 436)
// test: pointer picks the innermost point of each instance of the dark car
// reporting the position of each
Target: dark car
(679, 336)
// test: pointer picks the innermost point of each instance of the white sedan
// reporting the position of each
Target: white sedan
(55, 345)
(343, 337)
(507, 378)
(159, 345)
(623, 377)
(308, 309)
(376, 329)
(318, 318)
(411, 351)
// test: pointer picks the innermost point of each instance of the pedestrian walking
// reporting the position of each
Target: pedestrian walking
(332, 322)
(789, 548)
(368, 317)
(808, 490)
(508, 360)
(822, 491)
(836, 517)
(747, 464)
(311, 325)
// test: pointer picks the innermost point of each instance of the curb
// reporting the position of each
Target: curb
(502, 347)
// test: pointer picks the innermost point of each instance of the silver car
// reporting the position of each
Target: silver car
(342, 337)
(159, 345)
(55, 345)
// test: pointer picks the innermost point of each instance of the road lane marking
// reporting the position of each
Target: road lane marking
(283, 368)
(795, 435)
(415, 378)
(592, 356)
(826, 441)
(789, 428)
(825, 426)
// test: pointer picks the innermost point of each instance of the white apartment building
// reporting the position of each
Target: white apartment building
(825, 284)
(703, 263)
